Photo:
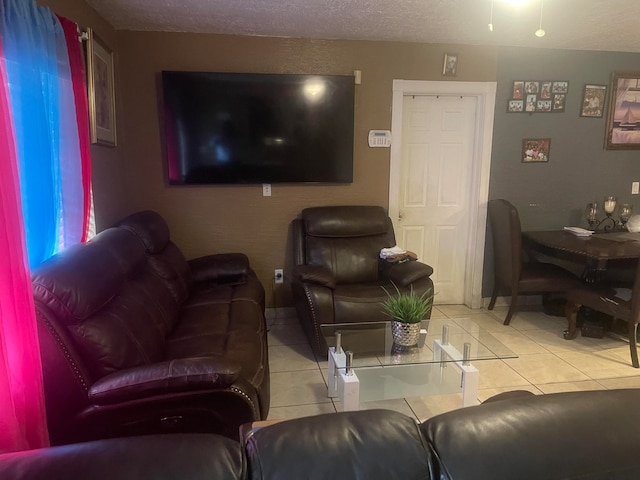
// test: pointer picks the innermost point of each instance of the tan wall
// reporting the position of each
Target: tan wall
(211, 219)
(110, 196)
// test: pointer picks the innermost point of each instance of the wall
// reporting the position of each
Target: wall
(109, 189)
(551, 195)
(210, 219)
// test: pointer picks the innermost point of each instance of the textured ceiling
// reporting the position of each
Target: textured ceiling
(572, 24)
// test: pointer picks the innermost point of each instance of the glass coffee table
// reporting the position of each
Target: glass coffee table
(366, 365)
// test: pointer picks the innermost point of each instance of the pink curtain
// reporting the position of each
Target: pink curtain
(78, 77)
(22, 410)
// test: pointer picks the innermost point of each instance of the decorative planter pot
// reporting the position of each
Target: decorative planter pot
(405, 334)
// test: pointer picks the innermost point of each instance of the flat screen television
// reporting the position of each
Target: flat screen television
(237, 128)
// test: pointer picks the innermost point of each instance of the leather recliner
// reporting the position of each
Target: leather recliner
(338, 276)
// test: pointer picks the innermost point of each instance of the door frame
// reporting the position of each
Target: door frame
(485, 94)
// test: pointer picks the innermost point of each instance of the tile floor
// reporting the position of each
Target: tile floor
(546, 363)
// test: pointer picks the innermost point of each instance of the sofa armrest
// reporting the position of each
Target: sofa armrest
(222, 267)
(181, 375)
(404, 274)
(314, 274)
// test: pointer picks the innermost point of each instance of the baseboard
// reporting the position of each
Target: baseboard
(506, 301)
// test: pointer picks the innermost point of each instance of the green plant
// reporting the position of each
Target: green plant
(407, 307)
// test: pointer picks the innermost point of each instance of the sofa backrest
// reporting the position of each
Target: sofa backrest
(164, 257)
(535, 437)
(347, 240)
(105, 297)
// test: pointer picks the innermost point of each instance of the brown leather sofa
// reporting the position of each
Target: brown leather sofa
(576, 435)
(137, 340)
(338, 275)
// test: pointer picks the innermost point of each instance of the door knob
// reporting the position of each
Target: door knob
(400, 215)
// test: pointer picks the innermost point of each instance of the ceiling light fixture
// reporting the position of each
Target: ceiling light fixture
(540, 32)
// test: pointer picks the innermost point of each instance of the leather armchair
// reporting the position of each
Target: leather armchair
(338, 275)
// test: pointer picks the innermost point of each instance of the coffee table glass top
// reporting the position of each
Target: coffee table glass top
(372, 344)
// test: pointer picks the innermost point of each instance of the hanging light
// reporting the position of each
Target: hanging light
(491, 18)
(540, 32)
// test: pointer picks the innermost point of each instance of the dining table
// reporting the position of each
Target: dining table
(595, 251)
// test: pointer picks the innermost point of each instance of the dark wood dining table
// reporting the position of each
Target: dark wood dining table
(595, 252)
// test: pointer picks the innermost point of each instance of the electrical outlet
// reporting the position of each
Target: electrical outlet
(266, 189)
(278, 274)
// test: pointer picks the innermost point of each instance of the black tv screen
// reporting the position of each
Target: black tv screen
(258, 128)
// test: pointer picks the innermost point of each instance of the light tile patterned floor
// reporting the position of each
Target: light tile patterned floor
(546, 363)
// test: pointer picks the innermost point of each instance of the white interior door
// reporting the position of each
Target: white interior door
(437, 148)
(485, 95)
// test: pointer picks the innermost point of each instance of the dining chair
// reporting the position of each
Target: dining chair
(621, 303)
(512, 274)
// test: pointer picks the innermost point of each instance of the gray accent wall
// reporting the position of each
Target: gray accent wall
(551, 195)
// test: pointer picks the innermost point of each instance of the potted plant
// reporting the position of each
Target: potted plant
(407, 310)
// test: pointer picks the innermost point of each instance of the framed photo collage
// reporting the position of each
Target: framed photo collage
(534, 96)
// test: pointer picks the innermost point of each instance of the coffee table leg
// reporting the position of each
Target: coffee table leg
(470, 374)
(336, 362)
(349, 387)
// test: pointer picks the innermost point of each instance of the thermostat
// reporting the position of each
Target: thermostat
(379, 138)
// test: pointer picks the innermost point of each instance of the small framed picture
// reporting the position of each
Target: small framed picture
(531, 103)
(560, 87)
(515, 106)
(543, 106)
(593, 99)
(518, 90)
(450, 65)
(532, 87)
(558, 102)
(535, 150)
(545, 90)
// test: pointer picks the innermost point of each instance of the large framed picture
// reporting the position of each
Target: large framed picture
(593, 99)
(102, 104)
(623, 118)
(535, 150)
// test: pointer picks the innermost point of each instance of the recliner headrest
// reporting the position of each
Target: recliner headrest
(81, 279)
(345, 221)
(149, 227)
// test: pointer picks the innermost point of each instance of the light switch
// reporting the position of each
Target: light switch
(635, 188)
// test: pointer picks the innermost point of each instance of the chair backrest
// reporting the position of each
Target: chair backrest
(507, 240)
(344, 239)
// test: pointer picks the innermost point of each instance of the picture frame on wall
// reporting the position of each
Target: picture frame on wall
(560, 87)
(558, 102)
(515, 106)
(518, 90)
(535, 150)
(623, 118)
(593, 101)
(101, 91)
(450, 65)
(531, 101)
(545, 90)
